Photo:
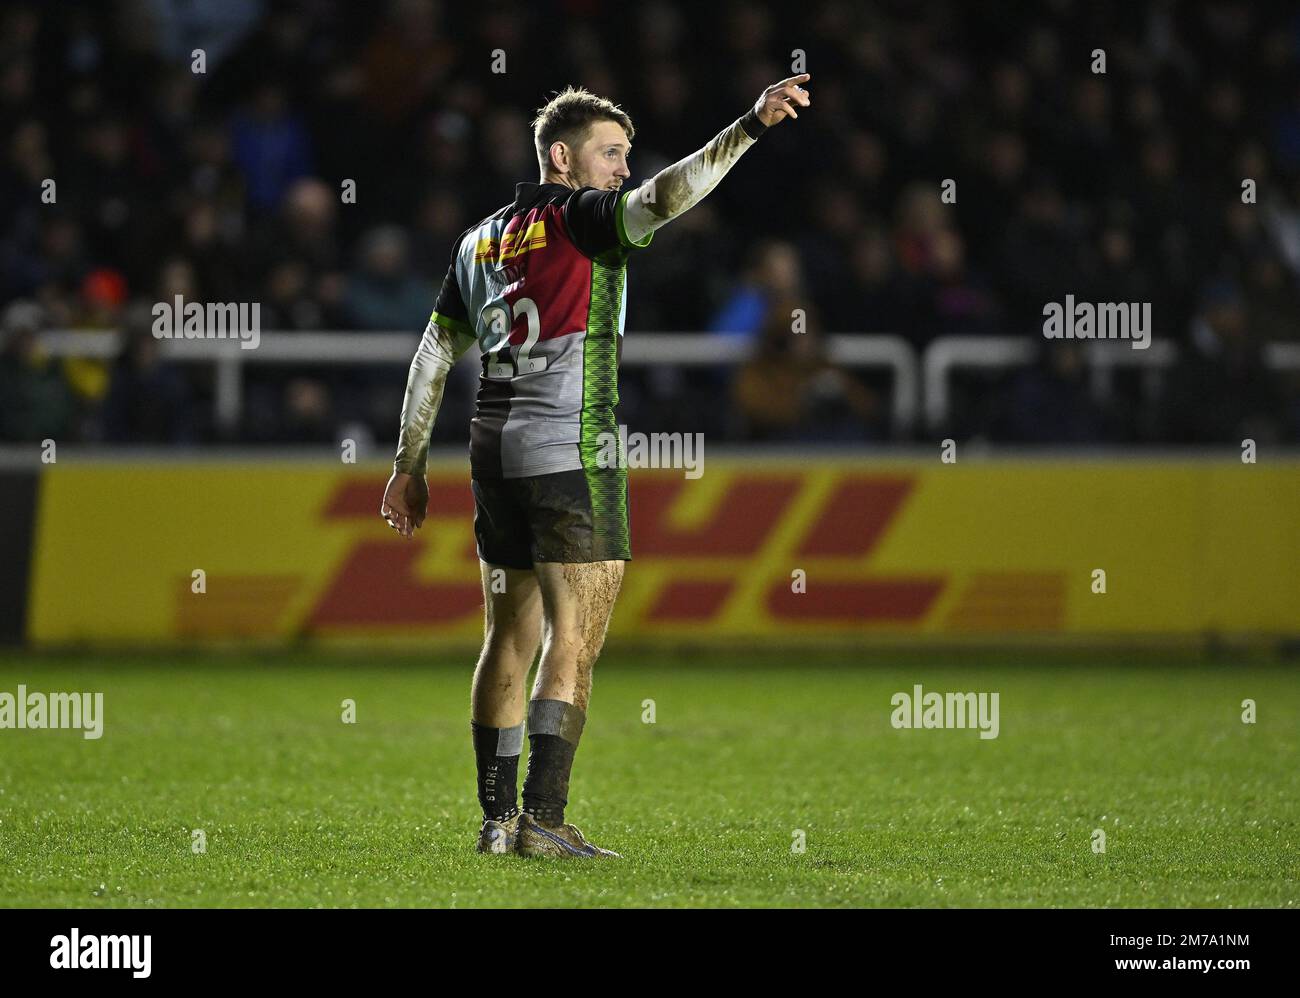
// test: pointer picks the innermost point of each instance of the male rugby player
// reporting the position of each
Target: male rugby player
(538, 286)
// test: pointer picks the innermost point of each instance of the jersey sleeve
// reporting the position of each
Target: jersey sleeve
(449, 310)
(595, 222)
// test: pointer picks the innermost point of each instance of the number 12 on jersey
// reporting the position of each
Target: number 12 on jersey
(499, 318)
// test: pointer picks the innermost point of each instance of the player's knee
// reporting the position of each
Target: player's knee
(570, 653)
(508, 648)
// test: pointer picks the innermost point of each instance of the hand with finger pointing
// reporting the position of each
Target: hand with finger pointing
(780, 100)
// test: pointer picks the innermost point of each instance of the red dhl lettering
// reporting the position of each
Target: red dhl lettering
(377, 585)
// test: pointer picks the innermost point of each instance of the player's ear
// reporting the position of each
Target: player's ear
(559, 156)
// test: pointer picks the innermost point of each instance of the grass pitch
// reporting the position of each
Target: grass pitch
(300, 809)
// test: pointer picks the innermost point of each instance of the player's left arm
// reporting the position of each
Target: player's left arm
(679, 187)
(446, 337)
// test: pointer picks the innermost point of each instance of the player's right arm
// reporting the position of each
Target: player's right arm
(677, 188)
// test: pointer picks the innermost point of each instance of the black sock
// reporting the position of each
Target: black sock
(554, 728)
(496, 750)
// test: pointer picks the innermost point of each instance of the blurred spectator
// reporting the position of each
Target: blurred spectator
(789, 391)
(1049, 402)
(404, 58)
(35, 402)
(874, 299)
(288, 302)
(271, 146)
(308, 417)
(384, 294)
(773, 275)
(105, 184)
(1271, 299)
(219, 23)
(148, 401)
(53, 270)
(103, 294)
(1039, 257)
(304, 238)
(947, 299)
(438, 221)
(212, 252)
(210, 172)
(1221, 391)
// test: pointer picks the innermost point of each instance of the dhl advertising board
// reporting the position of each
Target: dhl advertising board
(797, 551)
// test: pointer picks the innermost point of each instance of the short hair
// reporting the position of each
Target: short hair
(568, 116)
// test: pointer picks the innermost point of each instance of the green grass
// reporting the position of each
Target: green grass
(300, 809)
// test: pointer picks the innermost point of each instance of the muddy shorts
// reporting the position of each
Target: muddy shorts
(569, 516)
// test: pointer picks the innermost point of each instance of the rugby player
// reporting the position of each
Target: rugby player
(538, 286)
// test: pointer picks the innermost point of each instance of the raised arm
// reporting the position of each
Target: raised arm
(677, 188)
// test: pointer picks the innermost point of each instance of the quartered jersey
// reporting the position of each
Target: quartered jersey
(540, 286)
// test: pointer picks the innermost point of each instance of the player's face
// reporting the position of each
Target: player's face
(602, 161)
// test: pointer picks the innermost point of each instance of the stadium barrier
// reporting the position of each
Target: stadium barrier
(916, 380)
(758, 548)
(228, 358)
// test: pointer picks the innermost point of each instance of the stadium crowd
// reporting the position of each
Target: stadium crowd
(225, 185)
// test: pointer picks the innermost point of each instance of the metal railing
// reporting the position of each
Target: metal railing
(918, 381)
(639, 349)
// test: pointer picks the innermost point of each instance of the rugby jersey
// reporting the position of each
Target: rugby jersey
(540, 285)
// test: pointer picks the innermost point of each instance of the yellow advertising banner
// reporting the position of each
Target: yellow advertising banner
(186, 551)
